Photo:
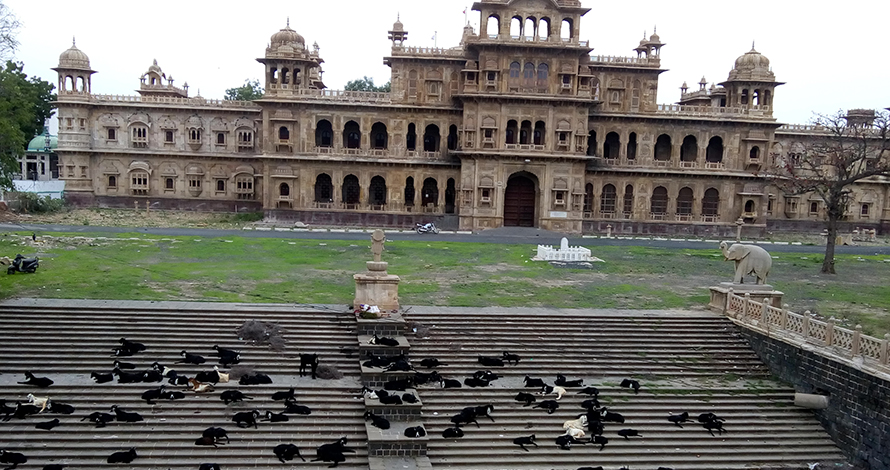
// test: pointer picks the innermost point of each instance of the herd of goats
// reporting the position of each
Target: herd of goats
(587, 428)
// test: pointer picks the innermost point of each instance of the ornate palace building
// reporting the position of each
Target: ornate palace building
(519, 125)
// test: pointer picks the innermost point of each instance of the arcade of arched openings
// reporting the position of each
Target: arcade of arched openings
(521, 124)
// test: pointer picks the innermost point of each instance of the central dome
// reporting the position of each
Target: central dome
(74, 58)
(752, 60)
(287, 37)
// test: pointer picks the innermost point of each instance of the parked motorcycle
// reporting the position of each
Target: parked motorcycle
(23, 265)
(426, 228)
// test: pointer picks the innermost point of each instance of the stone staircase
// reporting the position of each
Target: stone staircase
(67, 340)
(694, 362)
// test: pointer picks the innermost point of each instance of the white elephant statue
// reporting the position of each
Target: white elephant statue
(748, 259)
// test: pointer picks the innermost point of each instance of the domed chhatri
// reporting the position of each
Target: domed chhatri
(74, 58)
(38, 143)
(287, 37)
(752, 65)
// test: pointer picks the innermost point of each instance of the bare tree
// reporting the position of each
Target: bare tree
(9, 28)
(848, 149)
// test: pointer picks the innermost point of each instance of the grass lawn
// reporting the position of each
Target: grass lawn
(145, 267)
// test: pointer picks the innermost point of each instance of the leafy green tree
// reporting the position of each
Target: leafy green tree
(251, 90)
(367, 84)
(25, 105)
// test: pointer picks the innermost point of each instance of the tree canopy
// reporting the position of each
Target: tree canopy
(845, 150)
(25, 105)
(367, 84)
(251, 90)
(9, 27)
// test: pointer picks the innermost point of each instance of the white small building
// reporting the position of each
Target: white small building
(564, 252)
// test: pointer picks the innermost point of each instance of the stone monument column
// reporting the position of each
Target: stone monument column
(376, 287)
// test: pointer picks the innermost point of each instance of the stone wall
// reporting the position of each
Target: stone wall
(858, 413)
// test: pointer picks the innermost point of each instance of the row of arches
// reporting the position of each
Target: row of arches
(529, 76)
(350, 191)
(523, 133)
(658, 202)
(531, 28)
(664, 147)
(379, 136)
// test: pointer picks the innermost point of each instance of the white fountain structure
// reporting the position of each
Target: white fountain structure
(564, 252)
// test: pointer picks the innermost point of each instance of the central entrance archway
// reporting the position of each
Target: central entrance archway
(519, 202)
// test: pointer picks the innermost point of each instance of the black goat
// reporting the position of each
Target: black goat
(205, 441)
(524, 441)
(590, 391)
(549, 405)
(528, 398)
(245, 419)
(41, 382)
(227, 357)
(131, 345)
(101, 378)
(333, 452)
(294, 408)
(176, 379)
(562, 382)
(60, 408)
(598, 467)
(431, 362)
(381, 361)
(601, 440)
(629, 383)
(481, 410)
(217, 434)
(209, 466)
(309, 361)
(172, 395)
(6, 410)
(609, 416)
(13, 458)
(485, 375)
(416, 431)
(464, 418)
(474, 382)
(452, 433)
(255, 379)
(152, 376)
(23, 410)
(708, 417)
(625, 433)
(276, 417)
(390, 399)
(189, 358)
(286, 395)
(399, 365)
(530, 382)
(210, 377)
(127, 377)
(384, 341)
(565, 441)
(123, 457)
(590, 404)
(491, 361)
(124, 365)
(596, 428)
(710, 426)
(511, 358)
(377, 421)
(286, 452)
(231, 396)
(125, 416)
(150, 395)
(99, 419)
(680, 418)
(398, 384)
(421, 378)
(449, 383)
(47, 425)
(409, 398)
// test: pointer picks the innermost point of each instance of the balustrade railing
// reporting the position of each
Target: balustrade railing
(804, 329)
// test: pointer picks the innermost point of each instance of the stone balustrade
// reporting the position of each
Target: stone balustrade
(802, 329)
(691, 110)
(623, 60)
(172, 100)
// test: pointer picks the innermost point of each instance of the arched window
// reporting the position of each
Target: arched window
(450, 193)
(635, 96)
(493, 27)
(659, 201)
(540, 132)
(431, 138)
(715, 150)
(516, 27)
(528, 75)
(377, 191)
(744, 97)
(112, 181)
(512, 130)
(429, 194)
(379, 136)
(685, 200)
(285, 76)
(283, 134)
(352, 137)
(544, 29)
(588, 197)
(663, 148)
(515, 72)
(452, 137)
(409, 191)
(611, 146)
(566, 30)
(608, 198)
(411, 138)
(591, 144)
(412, 83)
(529, 28)
(755, 153)
(710, 204)
(324, 189)
(283, 189)
(221, 185)
(324, 134)
(543, 77)
(628, 200)
(351, 190)
(632, 146)
(525, 132)
(689, 149)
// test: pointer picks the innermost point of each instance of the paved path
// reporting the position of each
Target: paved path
(508, 235)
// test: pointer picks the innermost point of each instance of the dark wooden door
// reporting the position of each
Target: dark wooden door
(519, 203)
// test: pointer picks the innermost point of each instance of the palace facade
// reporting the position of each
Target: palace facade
(518, 125)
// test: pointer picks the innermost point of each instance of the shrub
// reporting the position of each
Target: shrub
(327, 372)
(32, 203)
(257, 333)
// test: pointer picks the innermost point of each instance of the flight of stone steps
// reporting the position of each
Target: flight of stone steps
(67, 340)
(684, 361)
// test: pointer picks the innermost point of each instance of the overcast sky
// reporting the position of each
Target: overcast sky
(831, 55)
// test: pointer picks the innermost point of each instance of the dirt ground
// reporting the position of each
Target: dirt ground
(129, 218)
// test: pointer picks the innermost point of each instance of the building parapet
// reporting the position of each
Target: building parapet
(620, 60)
(490, 38)
(691, 110)
(209, 102)
(427, 51)
(808, 333)
(804, 128)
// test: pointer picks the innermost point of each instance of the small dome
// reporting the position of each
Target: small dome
(752, 60)
(654, 38)
(398, 26)
(74, 58)
(38, 144)
(155, 68)
(287, 37)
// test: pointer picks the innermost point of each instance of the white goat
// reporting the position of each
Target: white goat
(223, 378)
(579, 424)
(42, 402)
(575, 432)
